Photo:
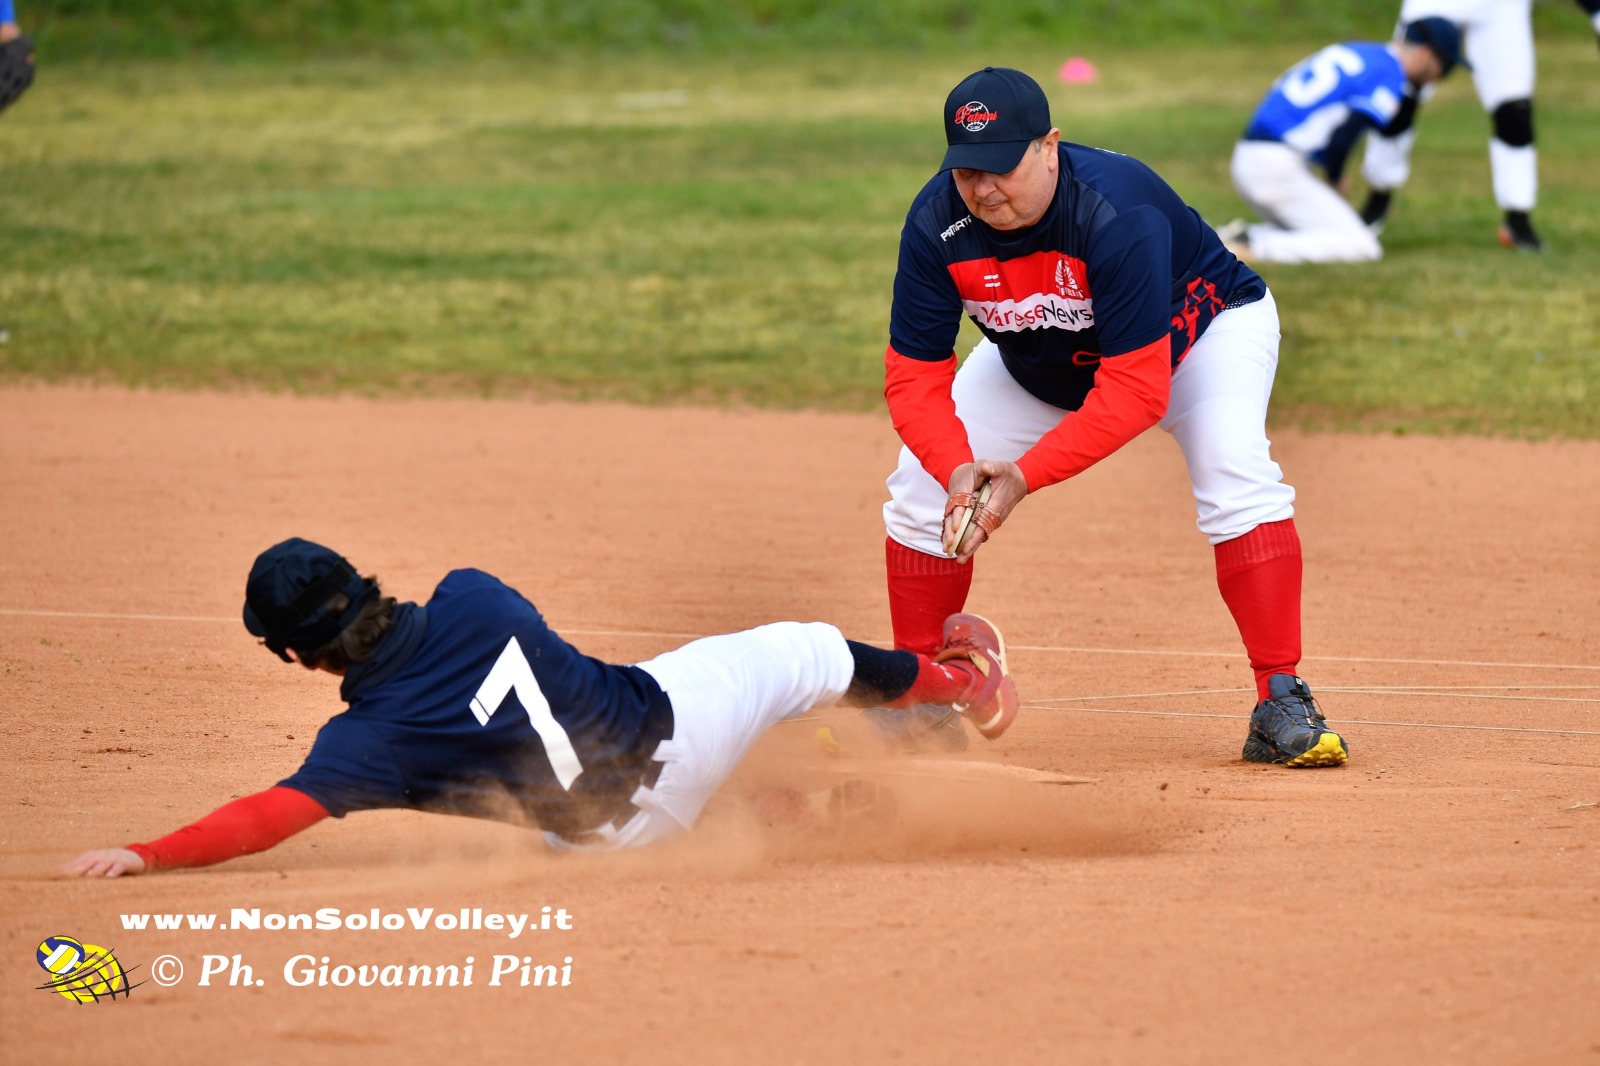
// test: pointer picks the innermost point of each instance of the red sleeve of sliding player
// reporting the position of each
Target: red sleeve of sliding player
(246, 825)
(1129, 396)
(923, 412)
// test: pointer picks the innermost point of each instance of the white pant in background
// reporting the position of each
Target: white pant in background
(726, 691)
(1307, 221)
(1497, 39)
(1217, 413)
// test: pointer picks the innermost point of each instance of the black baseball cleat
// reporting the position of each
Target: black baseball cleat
(1288, 728)
(1517, 232)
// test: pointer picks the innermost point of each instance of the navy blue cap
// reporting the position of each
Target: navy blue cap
(990, 119)
(286, 594)
(1442, 36)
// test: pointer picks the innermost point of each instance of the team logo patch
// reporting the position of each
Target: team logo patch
(1067, 282)
(974, 116)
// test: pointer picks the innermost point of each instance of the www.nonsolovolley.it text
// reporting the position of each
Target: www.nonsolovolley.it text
(375, 919)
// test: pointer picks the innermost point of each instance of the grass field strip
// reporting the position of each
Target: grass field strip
(1065, 649)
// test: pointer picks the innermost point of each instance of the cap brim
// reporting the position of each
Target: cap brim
(252, 623)
(999, 157)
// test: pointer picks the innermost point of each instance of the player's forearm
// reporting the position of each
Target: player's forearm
(242, 827)
(1129, 396)
(924, 413)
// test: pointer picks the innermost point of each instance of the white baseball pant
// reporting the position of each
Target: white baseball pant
(1217, 413)
(1497, 38)
(1307, 221)
(726, 691)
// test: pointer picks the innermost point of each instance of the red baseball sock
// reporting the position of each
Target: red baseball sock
(937, 682)
(1259, 577)
(924, 590)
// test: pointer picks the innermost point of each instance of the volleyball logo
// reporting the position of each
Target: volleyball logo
(83, 973)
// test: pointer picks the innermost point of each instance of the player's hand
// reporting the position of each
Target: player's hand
(1009, 487)
(105, 862)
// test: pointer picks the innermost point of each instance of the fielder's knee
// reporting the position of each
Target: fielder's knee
(1513, 123)
(1355, 246)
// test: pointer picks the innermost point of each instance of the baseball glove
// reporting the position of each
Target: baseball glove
(975, 512)
(16, 69)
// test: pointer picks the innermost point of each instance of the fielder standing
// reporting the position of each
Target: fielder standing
(1499, 45)
(1312, 118)
(1107, 307)
(471, 705)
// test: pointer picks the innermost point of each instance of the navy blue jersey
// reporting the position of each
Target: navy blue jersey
(1117, 262)
(472, 705)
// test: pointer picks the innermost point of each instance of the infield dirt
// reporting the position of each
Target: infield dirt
(1438, 900)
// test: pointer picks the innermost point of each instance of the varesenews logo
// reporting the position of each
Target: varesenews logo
(83, 973)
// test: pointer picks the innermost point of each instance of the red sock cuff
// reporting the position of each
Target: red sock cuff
(1273, 540)
(908, 562)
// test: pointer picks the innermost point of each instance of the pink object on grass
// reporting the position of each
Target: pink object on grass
(1078, 71)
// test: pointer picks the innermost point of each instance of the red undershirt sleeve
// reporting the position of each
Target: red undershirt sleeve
(1129, 396)
(242, 827)
(924, 413)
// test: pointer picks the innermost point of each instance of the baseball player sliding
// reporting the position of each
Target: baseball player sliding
(470, 704)
(1107, 306)
(1313, 117)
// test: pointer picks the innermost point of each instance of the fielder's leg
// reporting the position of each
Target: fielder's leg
(1499, 44)
(1307, 221)
(1218, 417)
(926, 586)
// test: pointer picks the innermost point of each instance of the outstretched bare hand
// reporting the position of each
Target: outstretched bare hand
(105, 862)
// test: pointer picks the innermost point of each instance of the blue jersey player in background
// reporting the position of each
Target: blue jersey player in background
(1312, 118)
(471, 705)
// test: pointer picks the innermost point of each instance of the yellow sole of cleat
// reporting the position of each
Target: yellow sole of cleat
(1329, 750)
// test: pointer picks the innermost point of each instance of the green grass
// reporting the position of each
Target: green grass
(660, 229)
(551, 28)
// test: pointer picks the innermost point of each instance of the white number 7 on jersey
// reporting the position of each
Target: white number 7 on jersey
(511, 673)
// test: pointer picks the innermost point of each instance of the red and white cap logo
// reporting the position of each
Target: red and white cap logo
(974, 116)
